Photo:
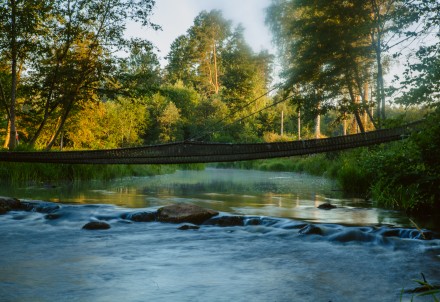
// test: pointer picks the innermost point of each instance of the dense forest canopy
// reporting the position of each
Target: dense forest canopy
(64, 83)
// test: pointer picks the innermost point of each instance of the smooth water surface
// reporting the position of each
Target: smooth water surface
(358, 256)
(246, 192)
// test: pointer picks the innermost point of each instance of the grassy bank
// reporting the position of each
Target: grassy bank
(25, 173)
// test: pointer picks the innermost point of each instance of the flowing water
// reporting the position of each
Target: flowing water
(360, 253)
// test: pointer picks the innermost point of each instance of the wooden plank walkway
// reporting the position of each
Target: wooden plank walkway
(200, 152)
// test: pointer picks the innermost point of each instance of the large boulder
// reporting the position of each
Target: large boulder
(9, 204)
(180, 213)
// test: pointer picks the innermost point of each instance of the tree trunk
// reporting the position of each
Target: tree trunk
(282, 123)
(216, 85)
(8, 134)
(14, 54)
(60, 125)
(344, 126)
(299, 124)
(380, 90)
(356, 112)
(318, 125)
(363, 92)
(4, 102)
(47, 112)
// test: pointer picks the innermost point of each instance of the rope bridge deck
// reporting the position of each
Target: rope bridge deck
(200, 152)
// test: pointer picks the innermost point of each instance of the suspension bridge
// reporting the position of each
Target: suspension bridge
(203, 152)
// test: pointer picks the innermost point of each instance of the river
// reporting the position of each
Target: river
(360, 253)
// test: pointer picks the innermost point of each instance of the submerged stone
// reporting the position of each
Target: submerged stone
(226, 221)
(180, 213)
(140, 216)
(52, 216)
(96, 225)
(326, 206)
(9, 204)
(40, 206)
(253, 221)
(310, 229)
(186, 227)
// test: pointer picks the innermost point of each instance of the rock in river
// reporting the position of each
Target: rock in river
(140, 216)
(226, 221)
(96, 225)
(8, 204)
(326, 206)
(180, 213)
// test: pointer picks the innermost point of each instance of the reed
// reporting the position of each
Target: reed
(25, 173)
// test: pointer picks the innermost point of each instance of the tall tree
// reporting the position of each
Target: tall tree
(325, 49)
(196, 57)
(74, 55)
(421, 79)
(21, 24)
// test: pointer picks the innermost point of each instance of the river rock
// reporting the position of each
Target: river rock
(40, 206)
(326, 206)
(9, 204)
(140, 216)
(226, 221)
(180, 213)
(52, 216)
(186, 227)
(96, 225)
(310, 229)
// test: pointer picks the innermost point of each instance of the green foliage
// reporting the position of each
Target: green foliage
(66, 48)
(31, 173)
(403, 175)
(421, 79)
(112, 124)
(325, 47)
(170, 124)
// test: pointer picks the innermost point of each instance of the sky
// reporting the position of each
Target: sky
(177, 16)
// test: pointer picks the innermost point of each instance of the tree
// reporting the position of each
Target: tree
(113, 124)
(71, 58)
(195, 58)
(140, 73)
(246, 75)
(421, 81)
(326, 51)
(169, 124)
(21, 23)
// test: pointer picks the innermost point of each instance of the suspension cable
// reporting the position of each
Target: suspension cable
(205, 132)
(251, 114)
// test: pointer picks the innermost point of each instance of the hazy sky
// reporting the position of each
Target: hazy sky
(176, 16)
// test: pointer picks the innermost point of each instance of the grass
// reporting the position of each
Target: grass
(25, 173)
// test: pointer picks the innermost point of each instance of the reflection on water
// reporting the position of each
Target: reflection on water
(278, 194)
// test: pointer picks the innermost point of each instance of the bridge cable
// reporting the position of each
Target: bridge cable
(251, 114)
(207, 131)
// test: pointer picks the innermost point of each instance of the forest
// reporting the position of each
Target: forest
(70, 79)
